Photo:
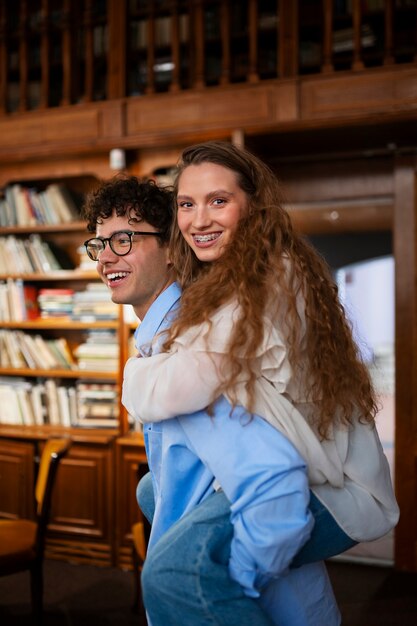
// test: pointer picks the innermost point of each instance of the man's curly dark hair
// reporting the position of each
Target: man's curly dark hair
(140, 200)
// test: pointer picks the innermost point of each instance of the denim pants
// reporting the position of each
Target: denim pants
(185, 578)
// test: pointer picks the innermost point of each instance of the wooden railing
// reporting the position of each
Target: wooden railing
(62, 52)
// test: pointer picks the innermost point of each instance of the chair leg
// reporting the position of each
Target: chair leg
(36, 579)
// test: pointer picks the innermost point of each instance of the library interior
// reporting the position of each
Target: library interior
(323, 91)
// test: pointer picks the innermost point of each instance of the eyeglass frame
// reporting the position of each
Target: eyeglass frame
(105, 240)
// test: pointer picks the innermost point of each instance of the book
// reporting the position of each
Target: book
(25, 405)
(12, 348)
(61, 203)
(63, 404)
(30, 297)
(26, 350)
(48, 358)
(51, 391)
(10, 413)
(37, 394)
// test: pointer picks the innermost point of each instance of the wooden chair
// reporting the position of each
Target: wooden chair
(22, 541)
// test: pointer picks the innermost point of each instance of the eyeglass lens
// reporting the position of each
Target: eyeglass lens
(120, 243)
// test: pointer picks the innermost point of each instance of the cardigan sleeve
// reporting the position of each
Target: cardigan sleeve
(186, 379)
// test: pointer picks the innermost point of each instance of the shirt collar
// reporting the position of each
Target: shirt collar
(156, 314)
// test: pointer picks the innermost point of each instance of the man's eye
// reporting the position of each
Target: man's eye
(123, 241)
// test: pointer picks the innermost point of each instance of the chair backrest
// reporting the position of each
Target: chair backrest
(54, 450)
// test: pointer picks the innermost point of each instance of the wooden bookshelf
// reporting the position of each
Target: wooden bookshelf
(337, 125)
(81, 522)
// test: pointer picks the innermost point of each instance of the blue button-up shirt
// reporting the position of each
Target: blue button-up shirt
(264, 479)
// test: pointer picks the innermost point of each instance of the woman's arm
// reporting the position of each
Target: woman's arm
(165, 385)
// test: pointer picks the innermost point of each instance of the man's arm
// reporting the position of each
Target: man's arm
(265, 480)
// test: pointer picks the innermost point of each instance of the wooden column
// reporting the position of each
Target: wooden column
(175, 47)
(197, 26)
(69, 71)
(287, 39)
(150, 52)
(405, 250)
(116, 53)
(389, 29)
(3, 58)
(328, 36)
(253, 75)
(44, 55)
(225, 37)
(23, 58)
(88, 52)
(357, 35)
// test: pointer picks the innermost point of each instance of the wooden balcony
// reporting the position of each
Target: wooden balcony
(59, 52)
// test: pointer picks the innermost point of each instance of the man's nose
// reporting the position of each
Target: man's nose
(107, 255)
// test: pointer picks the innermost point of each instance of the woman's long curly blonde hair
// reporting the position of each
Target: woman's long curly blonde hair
(266, 258)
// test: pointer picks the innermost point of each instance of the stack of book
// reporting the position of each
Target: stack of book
(86, 405)
(27, 256)
(100, 352)
(97, 405)
(18, 301)
(85, 263)
(24, 350)
(94, 304)
(55, 303)
(25, 206)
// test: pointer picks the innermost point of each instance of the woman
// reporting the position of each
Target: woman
(260, 323)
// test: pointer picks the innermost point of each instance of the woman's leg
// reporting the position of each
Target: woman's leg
(327, 538)
(185, 579)
(145, 497)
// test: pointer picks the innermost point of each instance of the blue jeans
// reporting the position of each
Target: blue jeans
(185, 579)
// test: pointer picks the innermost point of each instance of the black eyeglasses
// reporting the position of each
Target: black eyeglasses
(120, 243)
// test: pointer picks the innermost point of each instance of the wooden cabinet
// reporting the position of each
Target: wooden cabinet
(82, 516)
(17, 467)
(81, 526)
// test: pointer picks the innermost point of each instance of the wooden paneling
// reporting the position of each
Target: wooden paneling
(81, 524)
(82, 503)
(191, 110)
(338, 216)
(184, 117)
(17, 464)
(130, 464)
(357, 94)
(405, 238)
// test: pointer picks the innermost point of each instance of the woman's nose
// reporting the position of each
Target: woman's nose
(202, 218)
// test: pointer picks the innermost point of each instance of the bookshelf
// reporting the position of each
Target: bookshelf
(63, 344)
(59, 331)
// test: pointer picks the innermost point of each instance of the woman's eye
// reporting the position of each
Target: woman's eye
(218, 201)
(184, 205)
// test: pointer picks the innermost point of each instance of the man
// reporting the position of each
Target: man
(213, 557)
